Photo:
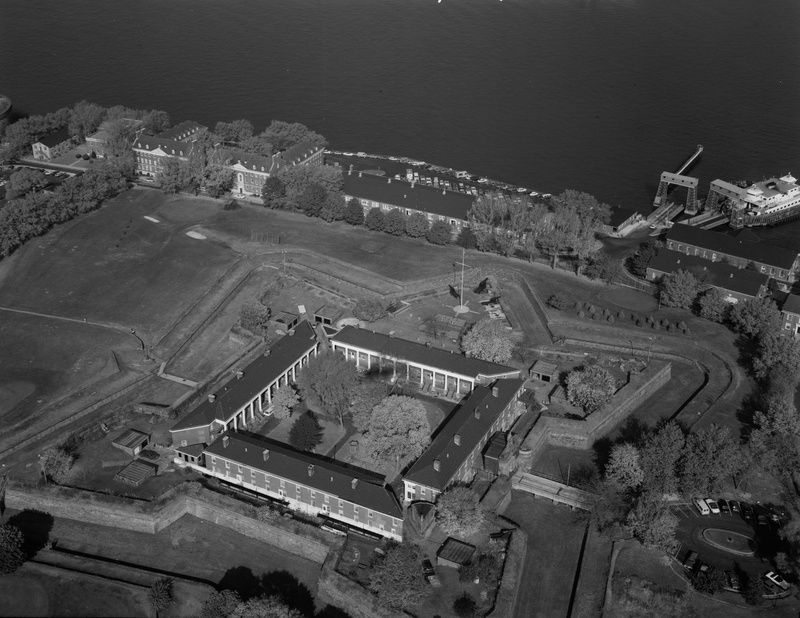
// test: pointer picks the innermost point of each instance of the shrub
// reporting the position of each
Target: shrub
(557, 302)
(162, 594)
(464, 606)
(439, 234)
(369, 310)
(231, 205)
(581, 314)
(610, 319)
(375, 219)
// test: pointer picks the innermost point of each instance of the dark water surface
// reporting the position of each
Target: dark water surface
(598, 95)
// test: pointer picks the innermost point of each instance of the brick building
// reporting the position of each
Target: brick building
(235, 404)
(150, 151)
(777, 262)
(433, 369)
(790, 312)
(736, 284)
(387, 194)
(455, 454)
(307, 483)
(252, 170)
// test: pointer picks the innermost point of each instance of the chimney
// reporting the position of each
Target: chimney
(457, 439)
(495, 391)
(211, 397)
(390, 181)
(477, 413)
(413, 183)
(266, 352)
(265, 454)
(239, 374)
(444, 191)
(436, 464)
(310, 469)
(359, 174)
(353, 483)
(226, 440)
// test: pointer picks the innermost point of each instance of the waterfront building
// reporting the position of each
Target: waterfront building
(434, 370)
(310, 484)
(762, 203)
(150, 151)
(235, 404)
(52, 145)
(186, 131)
(252, 170)
(737, 284)
(455, 454)
(387, 194)
(777, 262)
(790, 312)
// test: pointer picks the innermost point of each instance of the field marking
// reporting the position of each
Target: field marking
(196, 235)
(66, 319)
(153, 219)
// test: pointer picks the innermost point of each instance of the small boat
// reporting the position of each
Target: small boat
(483, 180)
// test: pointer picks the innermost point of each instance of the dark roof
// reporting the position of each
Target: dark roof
(471, 420)
(792, 304)
(404, 349)
(269, 164)
(544, 367)
(719, 274)
(455, 551)
(193, 450)
(131, 438)
(298, 153)
(55, 138)
(721, 243)
(169, 146)
(182, 130)
(403, 195)
(239, 391)
(330, 476)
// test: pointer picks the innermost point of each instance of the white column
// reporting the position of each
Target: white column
(235, 424)
(260, 402)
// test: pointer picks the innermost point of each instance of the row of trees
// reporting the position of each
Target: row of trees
(34, 214)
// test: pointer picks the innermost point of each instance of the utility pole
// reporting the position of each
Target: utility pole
(461, 307)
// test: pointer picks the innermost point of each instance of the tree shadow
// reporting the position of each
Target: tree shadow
(329, 611)
(35, 527)
(633, 431)
(281, 584)
(242, 581)
(602, 453)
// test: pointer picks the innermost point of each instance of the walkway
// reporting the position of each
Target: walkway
(557, 492)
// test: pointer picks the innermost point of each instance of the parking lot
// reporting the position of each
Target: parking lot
(745, 536)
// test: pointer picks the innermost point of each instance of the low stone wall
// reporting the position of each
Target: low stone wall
(581, 434)
(511, 580)
(151, 517)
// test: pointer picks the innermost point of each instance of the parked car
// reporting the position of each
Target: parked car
(701, 506)
(723, 506)
(734, 504)
(427, 568)
(712, 506)
(747, 511)
(762, 519)
(776, 579)
(690, 561)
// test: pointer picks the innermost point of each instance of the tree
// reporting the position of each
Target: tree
(590, 387)
(398, 430)
(354, 213)
(56, 463)
(464, 606)
(334, 208)
(221, 604)
(284, 399)
(439, 234)
(755, 315)
(273, 192)
(610, 506)
(653, 525)
(487, 340)
(639, 261)
(623, 467)
(12, 555)
(23, 180)
(265, 606)
(369, 310)
(466, 238)
(312, 199)
(235, 131)
(257, 144)
(774, 349)
(753, 588)
(708, 581)
(283, 135)
(162, 593)
(396, 578)
(255, 317)
(365, 396)
(306, 432)
(417, 225)
(375, 219)
(712, 305)
(679, 289)
(710, 455)
(155, 121)
(459, 512)
(659, 457)
(603, 266)
(218, 180)
(486, 568)
(84, 119)
(395, 222)
(174, 175)
(329, 379)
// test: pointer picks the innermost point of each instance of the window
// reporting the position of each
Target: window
(227, 464)
(313, 495)
(326, 509)
(240, 467)
(213, 461)
(281, 493)
(369, 514)
(184, 443)
(283, 483)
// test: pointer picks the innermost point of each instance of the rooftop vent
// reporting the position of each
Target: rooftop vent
(495, 391)
(477, 413)
(310, 469)
(353, 483)
(265, 454)
(239, 374)
(457, 439)
(436, 464)
(211, 397)
(266, 352)
(225, 441)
